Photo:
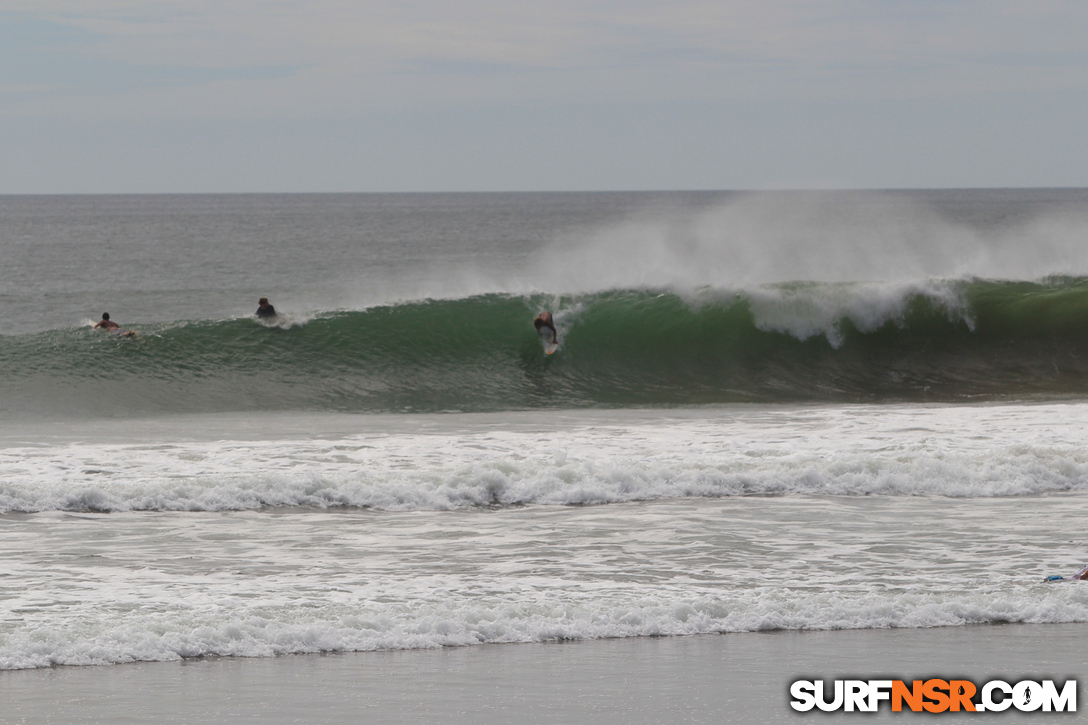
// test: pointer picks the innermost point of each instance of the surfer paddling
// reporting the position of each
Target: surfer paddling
(544, 319)
(264, 309)
(110, 326)
(106, 323)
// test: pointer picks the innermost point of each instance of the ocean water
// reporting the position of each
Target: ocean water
(775, 411)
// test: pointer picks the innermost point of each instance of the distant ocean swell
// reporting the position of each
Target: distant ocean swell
(942, 340)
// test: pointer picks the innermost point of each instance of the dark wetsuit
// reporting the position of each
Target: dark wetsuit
(268, 311)
(545, 320)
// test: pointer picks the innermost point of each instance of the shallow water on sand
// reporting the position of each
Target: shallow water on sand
(96, 589)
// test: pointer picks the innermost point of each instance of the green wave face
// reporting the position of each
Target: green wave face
(938, 341)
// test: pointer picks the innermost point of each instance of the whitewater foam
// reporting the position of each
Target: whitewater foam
(852, 451)
(241, 631)
(806, 311)
(163, 586)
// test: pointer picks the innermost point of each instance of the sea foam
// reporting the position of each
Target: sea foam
(968, 452)
(237, 630)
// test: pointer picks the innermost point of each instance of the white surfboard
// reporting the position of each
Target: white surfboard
(546, 341)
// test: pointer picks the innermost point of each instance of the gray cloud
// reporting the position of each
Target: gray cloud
(382, 64)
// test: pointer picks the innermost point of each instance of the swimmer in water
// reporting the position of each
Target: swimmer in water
(544, 319)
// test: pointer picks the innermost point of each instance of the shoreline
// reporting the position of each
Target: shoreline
(699, 678)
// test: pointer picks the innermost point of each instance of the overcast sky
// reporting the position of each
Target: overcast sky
(477, 95)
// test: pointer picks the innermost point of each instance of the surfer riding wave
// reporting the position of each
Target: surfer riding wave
(544, 319)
